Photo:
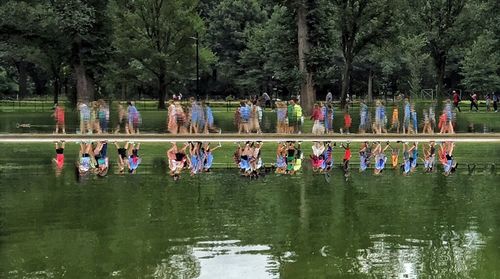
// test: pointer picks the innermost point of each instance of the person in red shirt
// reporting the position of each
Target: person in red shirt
(319, 120)
(59, 118)
(456, 100)
(347, 122)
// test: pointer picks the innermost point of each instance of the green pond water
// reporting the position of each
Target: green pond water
(220, 225)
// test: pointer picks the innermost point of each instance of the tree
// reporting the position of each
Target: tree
(229, 25)
(361, 23)
(439, 22)
(158, 36)
(270, 58)
(481, 65)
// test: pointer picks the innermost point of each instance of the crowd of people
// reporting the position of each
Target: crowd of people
(194, 117)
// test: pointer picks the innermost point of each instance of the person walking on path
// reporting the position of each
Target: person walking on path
(488, 102)
(456, 100)
(473, 102)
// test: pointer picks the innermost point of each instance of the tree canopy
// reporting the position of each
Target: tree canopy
(88, 49)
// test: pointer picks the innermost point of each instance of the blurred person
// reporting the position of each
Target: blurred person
(103, 115)
(363, 117)
(456, 100)
(244, 118)
(473, 102)
(122, 122)
(84, 118)
(172, 118)
(407, 116)
(318, 120)
(134, 118)
(282, 121)
(395, 119)
(94, 119)
(59, 118)
(292, 117)
(347, 122)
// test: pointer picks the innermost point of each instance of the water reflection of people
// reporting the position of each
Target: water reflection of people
(59, 159)
(101, 158)
(446, 157)
(380, 158)
(176, 160)
(249, 159)
(133, 157)
(83, 165)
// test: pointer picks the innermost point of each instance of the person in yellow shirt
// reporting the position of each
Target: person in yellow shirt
(297, 109)
(395, 119)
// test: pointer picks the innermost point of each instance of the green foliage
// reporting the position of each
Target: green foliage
(481, 65)
(271, 54)
(227, 32)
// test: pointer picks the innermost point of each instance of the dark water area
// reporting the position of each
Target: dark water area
(220, 225)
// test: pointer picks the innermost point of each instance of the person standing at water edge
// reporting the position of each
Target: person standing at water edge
(122, 116)
(59, 117)
(456, 100)
(84, 118)
(473, 102)
(133, 119)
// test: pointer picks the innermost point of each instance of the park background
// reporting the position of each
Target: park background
(151, 49)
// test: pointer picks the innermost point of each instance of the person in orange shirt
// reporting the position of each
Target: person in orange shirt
(59, 117)
(347, 122)
(395, 119)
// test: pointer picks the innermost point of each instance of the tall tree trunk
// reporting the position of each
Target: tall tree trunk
(440, 61)
(57, 89)
(84, 84)
(307, 90)
(346, 80)
(23, 79)
(162, 89)
(124, 90)
(370, 86)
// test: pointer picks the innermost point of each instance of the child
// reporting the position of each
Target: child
(395, 119)
(59, 117)
(347, 122)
